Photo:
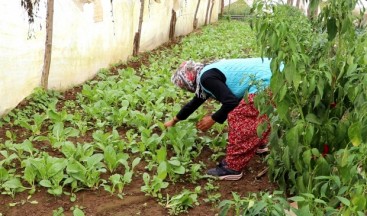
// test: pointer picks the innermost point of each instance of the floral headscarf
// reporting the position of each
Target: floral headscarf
(186, 77)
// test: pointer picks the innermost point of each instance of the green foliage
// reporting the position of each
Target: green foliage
(256, 204)
(318, 104)
(47, 170)
(58, 212)
(181, 202)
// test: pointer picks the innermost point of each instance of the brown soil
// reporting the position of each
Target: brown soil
(101, 203)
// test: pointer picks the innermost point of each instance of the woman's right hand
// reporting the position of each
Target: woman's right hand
(171, 123)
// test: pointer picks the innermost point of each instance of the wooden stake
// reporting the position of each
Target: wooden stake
(195, 23)
(211, 11)
(172, 27)
(207, 12)
(138, 34)
(48, 44)
(222, 8)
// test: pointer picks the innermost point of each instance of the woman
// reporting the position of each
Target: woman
(227, 81)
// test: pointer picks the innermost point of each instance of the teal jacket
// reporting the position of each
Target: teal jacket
(250, 74)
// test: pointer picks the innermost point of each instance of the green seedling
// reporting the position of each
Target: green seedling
(12, 185)
(47, 170)
(80, 123)
(196, 171)
(9, 182)
(12, 136)
(113, 158)
(77, 210)
(59, 135)
(8, 157)
(80, 152)
(36, 127)
(86, 172)
(131, 137)
(58, 117)
(119, 181)
(119, 116)
(102, 140)
(154, 186)
(181, 202)
(58, 212)
(212, 192)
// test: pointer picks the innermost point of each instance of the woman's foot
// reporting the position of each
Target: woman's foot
(262, 149)
(222, 172)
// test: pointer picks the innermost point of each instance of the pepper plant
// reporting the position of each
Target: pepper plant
(318, 107)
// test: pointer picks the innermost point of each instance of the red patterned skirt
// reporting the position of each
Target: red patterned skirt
(242, 134)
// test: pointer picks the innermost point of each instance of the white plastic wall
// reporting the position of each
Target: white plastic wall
(87, 35)
(21, 59)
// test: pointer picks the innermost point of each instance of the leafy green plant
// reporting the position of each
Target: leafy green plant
(36, 127)
(18, 151)
(318, 102)
(113, 159)
(105, 139)
(58, 116)
(182, 141)
(9, 182)
(58, 212)
(11, 185)
(77, 210)
(119, 181)
(262, 204)
(7, 157)
(181, 202)
(196, 171)
(85, 173)
(79, 152)
(211, 190)
(47, 170)
(155, 185)
(59, 135)
(80, 123)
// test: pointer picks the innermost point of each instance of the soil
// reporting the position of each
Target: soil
(100, 203)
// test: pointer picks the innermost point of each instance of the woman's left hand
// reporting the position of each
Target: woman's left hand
(205, 123)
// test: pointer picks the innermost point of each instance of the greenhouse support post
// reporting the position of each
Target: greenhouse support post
(195, 23)
(211, 11)
(138, 34)
(172, 28)
(298, 2)
(207, 12)
(48, 44)
(222, 7)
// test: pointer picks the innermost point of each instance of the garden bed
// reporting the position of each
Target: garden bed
(112, 124)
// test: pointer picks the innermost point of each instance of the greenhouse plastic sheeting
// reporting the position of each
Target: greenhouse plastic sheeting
(21, 54)
(85, 41)
(87, 35)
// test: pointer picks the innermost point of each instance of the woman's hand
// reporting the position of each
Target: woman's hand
(172, 122)
(205, 123)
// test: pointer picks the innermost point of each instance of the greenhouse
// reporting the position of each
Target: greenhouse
(183, 107)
